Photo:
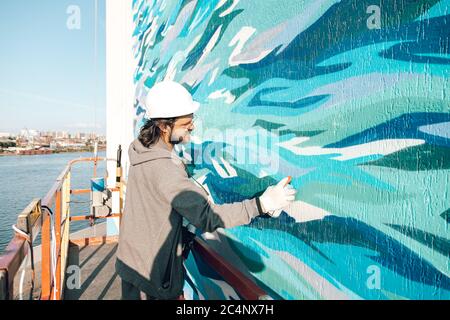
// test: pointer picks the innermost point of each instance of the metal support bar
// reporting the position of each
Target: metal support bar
(57, 285)
(94, 241)
(83, 218)
(82, 191)
(46, 263)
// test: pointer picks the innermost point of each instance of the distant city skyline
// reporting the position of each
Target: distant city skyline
(72, 132)
(65, 132)
(51, 79)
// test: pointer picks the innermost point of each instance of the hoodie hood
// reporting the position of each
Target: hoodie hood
(139, 154)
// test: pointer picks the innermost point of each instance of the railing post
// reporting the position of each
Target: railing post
(65, 230)
(120, 183)
(57, 285)
(41, 221)
(46, 263)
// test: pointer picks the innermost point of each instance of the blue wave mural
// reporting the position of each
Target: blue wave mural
(351, 99)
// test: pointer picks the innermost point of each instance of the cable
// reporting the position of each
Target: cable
(29, 258)
(23, 234)
(22, 278)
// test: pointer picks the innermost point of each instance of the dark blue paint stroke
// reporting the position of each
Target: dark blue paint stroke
(431, 37)
(432, 241)
(223, 189)
(275, 127)
(206, 8)
(206, 270)
(159, 36)
(328, 37)
(298, 104)
(446, 215)
(139, 110)
(348, 231)
(215, 22)
(405, 126)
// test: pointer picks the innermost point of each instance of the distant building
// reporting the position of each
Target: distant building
(47, 134)
(92, 136)
(29, 134)
(61, 135)
(5, 135)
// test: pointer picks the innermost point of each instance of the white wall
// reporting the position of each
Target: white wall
(120, 66)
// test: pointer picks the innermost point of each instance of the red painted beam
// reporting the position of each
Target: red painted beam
(11, 260)
(246, 288)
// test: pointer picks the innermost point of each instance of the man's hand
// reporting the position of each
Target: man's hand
(277, 197)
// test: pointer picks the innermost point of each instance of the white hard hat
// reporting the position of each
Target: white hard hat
(169, 99)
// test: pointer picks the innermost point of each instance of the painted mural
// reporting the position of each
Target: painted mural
(350, 98)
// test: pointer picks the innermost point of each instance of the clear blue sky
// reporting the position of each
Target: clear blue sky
(47, 71)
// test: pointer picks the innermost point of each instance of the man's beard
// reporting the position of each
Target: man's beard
(178, 136)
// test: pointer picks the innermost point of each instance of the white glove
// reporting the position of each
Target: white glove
(277, 197)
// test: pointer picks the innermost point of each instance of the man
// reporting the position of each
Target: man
(160, 194)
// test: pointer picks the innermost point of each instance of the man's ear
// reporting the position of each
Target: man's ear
(164, 128)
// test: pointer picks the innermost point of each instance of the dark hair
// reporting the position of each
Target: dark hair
(151, 132)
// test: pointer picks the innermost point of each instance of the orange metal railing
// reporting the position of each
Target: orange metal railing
(35, 219)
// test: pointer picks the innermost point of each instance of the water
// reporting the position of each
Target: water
(23, 178)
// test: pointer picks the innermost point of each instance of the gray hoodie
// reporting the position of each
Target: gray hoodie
(159, 194)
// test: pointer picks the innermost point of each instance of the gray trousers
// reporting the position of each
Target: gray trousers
(130, 292)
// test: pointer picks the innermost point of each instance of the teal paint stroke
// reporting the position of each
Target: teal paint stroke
(358, 117)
